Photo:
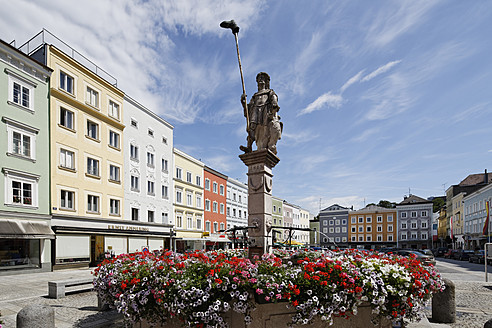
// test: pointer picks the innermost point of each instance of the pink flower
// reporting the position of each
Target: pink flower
(259, 291)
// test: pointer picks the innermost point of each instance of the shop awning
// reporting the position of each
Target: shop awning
(25, 229)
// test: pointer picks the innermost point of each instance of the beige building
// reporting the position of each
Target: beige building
(373, 227)
(188, 202)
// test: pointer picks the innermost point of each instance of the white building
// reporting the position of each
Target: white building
(237, 203)
(148, 163)
(296, 223)
(305, 216)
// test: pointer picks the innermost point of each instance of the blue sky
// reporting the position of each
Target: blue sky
(376, 97)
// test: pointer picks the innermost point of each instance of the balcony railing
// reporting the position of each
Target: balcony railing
(46, 37)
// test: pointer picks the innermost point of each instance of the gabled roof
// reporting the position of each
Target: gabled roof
(412, 199)
(335, 207)
(474, 179)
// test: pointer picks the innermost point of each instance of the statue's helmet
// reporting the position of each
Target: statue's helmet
(262, 76)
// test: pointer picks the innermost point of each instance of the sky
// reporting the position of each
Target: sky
(378, 99)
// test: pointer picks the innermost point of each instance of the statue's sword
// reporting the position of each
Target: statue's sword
(235, 30)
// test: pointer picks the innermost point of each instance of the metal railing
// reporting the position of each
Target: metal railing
(46, 37)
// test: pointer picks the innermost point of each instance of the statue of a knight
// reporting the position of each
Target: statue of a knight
(263, 123)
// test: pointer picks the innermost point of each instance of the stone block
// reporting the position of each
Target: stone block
(444, 304)
(36, 316)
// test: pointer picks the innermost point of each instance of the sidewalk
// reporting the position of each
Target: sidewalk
(80, 309)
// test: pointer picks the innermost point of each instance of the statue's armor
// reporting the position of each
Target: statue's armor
(259, 107)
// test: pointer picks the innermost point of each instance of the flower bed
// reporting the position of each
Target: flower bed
(198, 288)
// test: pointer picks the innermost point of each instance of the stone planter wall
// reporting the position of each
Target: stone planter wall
(277, 315)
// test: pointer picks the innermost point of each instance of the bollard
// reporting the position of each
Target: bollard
(36, 316)
(444, 304)
(488, 324)
(101, 305)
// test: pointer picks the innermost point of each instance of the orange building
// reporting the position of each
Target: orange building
(372, 227)
(215, 192)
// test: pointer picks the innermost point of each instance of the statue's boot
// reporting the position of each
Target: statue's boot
(245, 149)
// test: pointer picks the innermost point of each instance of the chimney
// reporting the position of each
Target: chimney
(486, 177)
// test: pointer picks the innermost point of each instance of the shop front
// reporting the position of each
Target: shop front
(25, 245)
(87, 242)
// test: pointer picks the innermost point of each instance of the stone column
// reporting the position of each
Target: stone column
(260, 164)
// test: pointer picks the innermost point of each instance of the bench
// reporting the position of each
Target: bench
(56, 289)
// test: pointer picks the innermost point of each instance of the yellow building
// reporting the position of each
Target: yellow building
(188, 202)
(373, 227)
(86, 111)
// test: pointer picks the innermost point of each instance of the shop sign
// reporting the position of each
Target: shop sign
(120, 227)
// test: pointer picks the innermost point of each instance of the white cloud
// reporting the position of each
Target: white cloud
(380, 70)
(299, 137)
(325, 100)
(365, 135)
(356, 78)
(221, 163)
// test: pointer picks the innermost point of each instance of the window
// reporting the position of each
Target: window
(150, 159)
(221, 208)
(164, 140)
(21, 142)
(114, 139)
(189, 199)
(379, 237)
(234, 212)
(216, 227)
(353, 238)
(423, 235)
(134, 214)
(92, 97)
(207, 226)
(222, 226)
(361, 238)
(344, 229)
(379, 228)
(150, 216)
(403, 225)
(207, 184)
(369, 219)
(165, 192)
(423, 224)
(215, 188)
(337, 222)
(150, 188)
(228, 211)
(134, 124)
(368, 229)
(189, 177)
(66, 200)
(361, 229)
(361, 220)
(414, 235)
(390, 237)
(179, 221)
(403, 236)
(179, 173)
(354, 229)
(165, 218)
(414, 214)
(332, 222)
(390, 228)
(66, 118)
(207, 205)
(134, 152)
(92, 130)
(114, 207)
(403, 214)
(379, 218)
(92, 166)
(150, 132)
(199, 200)
(198, 180)
(20, 90)
(337, 230)
(414, 225)
(114, 110)
(354, 219)
(199, 222)
(368, 238)
(92, 204)
(274, 208)
(423, 213)
(66, 82)
(221, 189)
(22, 189)
(114, 173)
(215, 207)
(134, 183)
(179, 196)
(164, 165)
(189, 222)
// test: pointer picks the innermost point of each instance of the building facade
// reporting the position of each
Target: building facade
(288, 219)
(188, 202)
(148, 183)
(277, 219)
(372, 227)
(304, 223)
(475, 215)
(414, 223)
(215, 189)
(25, 234)
(333, 222)
(237, 203)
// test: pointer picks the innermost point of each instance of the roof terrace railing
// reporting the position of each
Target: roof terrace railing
(46, 37)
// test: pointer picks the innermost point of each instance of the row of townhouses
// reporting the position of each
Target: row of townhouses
(408, 225)
(89, 172)
(461, 222)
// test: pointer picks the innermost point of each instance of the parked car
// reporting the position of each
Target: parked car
(477, 257)
(426, 252)
(450, 253)
(440, 251)
(462, 254)
(423, 258)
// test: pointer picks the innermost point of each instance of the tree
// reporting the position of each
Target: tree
(386, 204)
(437, 203)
